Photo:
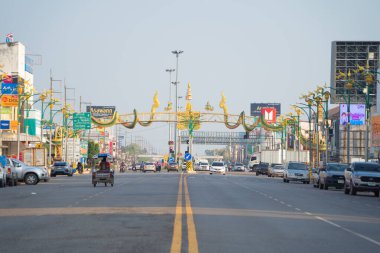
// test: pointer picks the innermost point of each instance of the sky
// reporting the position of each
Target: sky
(116, 52)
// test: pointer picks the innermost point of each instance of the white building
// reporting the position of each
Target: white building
(19, 70)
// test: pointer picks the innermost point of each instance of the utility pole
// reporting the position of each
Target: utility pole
(176, 143)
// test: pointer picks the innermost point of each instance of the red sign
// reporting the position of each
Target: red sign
(111, 147)
(269, 114)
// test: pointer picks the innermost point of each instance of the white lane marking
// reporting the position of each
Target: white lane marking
(270, 197)
(289, 205)
(308, 213)
(275, 200)
(349, 231)
(298, 209)
(282, 202)
(327, 221)
(33, 193)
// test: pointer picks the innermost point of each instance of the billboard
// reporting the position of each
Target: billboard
(357, 114)
(101, 112)
(256, 108)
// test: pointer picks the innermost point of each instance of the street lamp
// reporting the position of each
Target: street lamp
(309, 104)
(170, 102)
(177, 53)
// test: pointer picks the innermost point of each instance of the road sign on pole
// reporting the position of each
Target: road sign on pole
(82, 121)
(171, 159)
(187, 157)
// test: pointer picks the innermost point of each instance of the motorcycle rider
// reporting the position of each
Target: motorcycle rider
(80, 167)
(122, 167)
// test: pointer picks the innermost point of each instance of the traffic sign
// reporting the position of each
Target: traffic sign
(171, 159)
(82, 121)
(187, 157)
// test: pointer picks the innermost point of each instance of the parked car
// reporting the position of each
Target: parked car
(172, 166)
(362, 176)
(61, 168)
(148, 166)
(10, 171)
(332, 176)
(238, 167)
(296, 171)
(270, 169)
(29, 174)
(3, 176)
(262, 169)
(218, 167)
(276, 171)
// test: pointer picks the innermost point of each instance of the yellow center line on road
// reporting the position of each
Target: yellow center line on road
(177, 231)
(191, 232)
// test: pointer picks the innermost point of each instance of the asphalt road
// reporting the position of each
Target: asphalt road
(173, 212)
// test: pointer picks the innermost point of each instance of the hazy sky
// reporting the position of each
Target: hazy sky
(116, 52)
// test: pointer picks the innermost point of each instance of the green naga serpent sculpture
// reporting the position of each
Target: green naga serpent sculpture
(240, 121)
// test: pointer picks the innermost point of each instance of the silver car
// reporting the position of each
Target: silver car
(29, 174)
(218, 167)
(276, 171)
(149, 167)
(296, 171)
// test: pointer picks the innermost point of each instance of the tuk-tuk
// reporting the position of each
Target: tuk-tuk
(102, 173)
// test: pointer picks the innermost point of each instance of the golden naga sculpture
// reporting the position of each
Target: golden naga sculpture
(155, 105)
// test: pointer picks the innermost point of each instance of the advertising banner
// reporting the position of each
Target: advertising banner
(9, 100)
(83, 148)
(14, 125)
(8, 79)
(5, 124)
(357, 114)
(101, 112)
(6, 110)
(269, 115)
(9, 88)
(256, 108)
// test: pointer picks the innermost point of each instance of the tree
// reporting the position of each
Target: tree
(93, 149)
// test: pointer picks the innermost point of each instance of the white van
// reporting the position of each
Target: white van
(204, 165)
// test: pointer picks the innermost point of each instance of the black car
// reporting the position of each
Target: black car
(61, 168)
(262, 169)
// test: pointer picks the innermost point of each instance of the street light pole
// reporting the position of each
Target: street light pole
(176, 144)
(348, 93)
(170, 100)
